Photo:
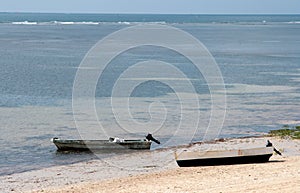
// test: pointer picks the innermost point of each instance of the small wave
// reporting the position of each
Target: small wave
(294, 22)
(65, 22)
(124, 22)
(263, 22)
(77, 23)
(82, 23)
(25, 23)
(89, 23)
(72, 23)
(56, 23)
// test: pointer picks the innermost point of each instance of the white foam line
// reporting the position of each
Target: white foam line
(25, 23)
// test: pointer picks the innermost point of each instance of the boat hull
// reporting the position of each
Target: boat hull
(211, 158)
(86, 145)
(224, 161)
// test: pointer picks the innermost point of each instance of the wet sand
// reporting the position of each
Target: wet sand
(145, 172)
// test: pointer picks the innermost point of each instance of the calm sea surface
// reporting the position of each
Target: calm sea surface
(259, 58)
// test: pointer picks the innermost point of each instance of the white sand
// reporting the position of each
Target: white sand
(156, 171)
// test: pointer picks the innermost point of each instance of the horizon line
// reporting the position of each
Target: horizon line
(140, 13)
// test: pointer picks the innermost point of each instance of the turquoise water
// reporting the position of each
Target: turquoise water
(259, 58)
(157, 18)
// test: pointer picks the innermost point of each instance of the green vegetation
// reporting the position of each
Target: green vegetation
(287, 131)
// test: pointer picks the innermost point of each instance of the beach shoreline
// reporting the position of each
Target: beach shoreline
(278, 175)
(159, 176)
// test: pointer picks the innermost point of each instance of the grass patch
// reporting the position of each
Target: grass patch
(287, 131)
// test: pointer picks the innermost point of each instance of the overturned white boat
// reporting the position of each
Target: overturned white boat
(187, 158)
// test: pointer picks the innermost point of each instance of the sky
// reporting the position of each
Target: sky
(154, 6)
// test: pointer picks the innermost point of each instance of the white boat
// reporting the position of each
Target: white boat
(223, 157)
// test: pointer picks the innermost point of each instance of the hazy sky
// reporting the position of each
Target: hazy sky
(153, 6)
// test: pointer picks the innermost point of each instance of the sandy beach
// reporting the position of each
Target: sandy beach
(281, 174)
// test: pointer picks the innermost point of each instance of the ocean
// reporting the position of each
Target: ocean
(40, 54)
